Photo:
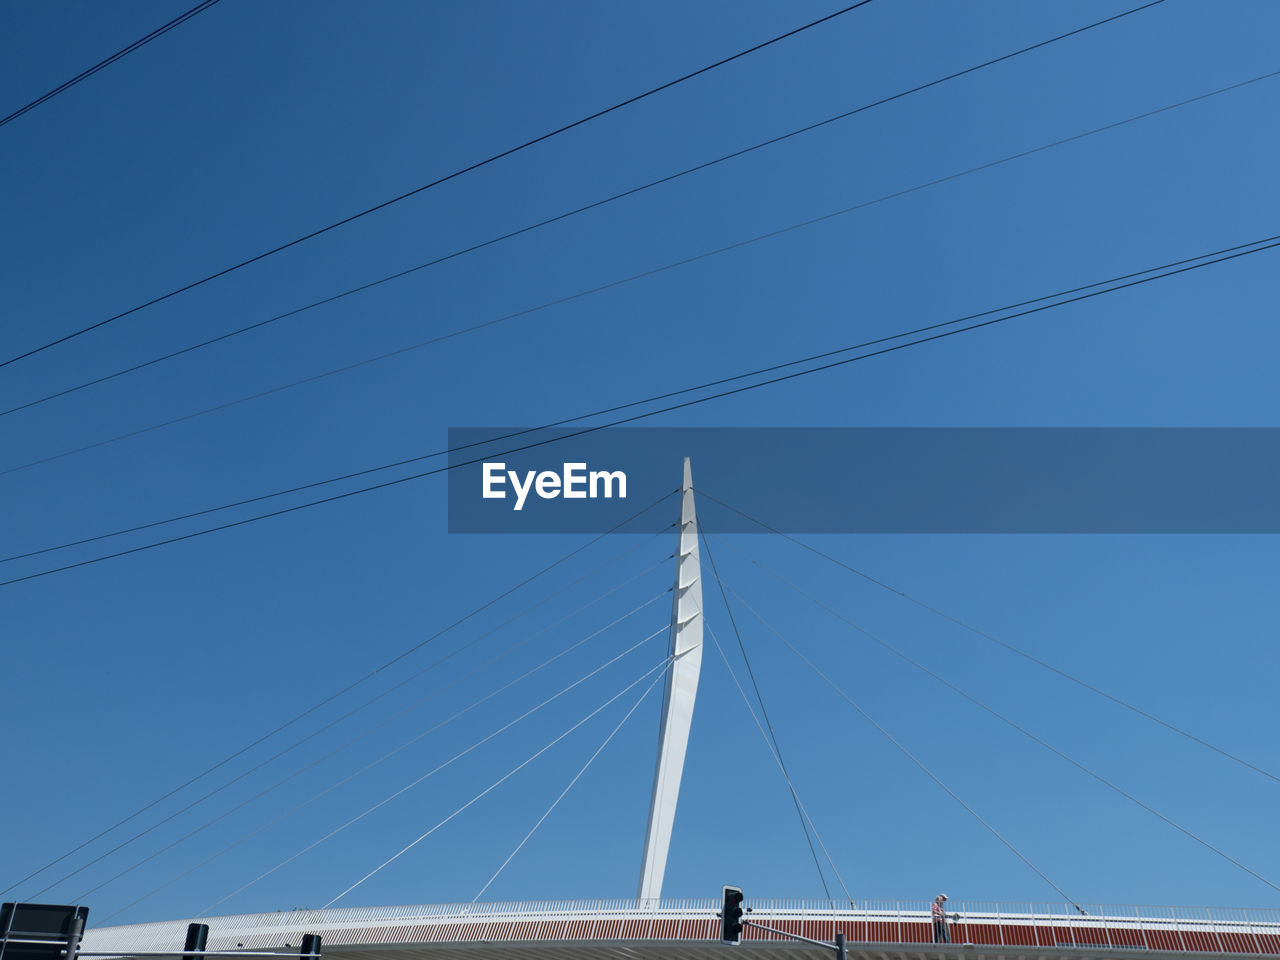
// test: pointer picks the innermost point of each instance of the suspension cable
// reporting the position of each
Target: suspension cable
(924, 769)
(777, 748)
(1001, 717)
(998, 642)
(425, 776)
(386, 756)
(778, 760)
(333, 723)
(506, 776)
(576, 777)
(335, 695)
(487, 697)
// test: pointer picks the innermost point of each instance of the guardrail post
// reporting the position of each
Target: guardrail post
(1253, 931)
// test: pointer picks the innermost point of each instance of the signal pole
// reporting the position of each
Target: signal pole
(732, 920)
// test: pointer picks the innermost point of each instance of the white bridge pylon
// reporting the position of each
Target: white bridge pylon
(680, 692)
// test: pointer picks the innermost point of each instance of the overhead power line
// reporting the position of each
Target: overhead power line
(434, 183)
(644, 274)
(619, 196)
(936, 331)
(103, 64)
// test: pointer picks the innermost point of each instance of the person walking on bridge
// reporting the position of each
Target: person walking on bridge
(941, 933)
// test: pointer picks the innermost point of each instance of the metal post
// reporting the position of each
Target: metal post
(841, 952)
(75, 932)
(197, 937)
(9, 910)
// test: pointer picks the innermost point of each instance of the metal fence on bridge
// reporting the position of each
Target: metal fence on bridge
(1009, 924)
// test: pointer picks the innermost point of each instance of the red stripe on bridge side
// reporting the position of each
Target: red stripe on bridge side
(855, 930)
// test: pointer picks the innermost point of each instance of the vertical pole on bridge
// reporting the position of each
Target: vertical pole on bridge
(677, 701)
(197, 940)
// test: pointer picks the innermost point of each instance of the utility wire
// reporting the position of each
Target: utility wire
(431, 341)
(576, 777)
(369, 766)
(103, 64)
(998, 642)
(409, 786)
(929, 773)
(221, 763)
(777, 758)
(592, 206)
(997, 714)
(651, 413)
(765, 713)
(607, 410)
(434, 183)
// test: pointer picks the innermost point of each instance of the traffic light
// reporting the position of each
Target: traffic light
(731, 916)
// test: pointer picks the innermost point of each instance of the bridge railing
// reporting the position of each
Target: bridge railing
(1005, 924)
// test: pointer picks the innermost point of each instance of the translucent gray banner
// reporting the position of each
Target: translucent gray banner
(870, 480)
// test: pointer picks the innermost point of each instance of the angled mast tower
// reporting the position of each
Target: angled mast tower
(678, 699)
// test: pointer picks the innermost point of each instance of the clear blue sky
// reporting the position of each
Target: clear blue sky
(255, 123)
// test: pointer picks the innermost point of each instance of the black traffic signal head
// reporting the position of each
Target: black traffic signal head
(731, 915)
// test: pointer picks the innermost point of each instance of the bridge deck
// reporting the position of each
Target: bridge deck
(688, 930)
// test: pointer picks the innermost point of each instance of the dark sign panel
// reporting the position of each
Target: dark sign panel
(40, 931)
